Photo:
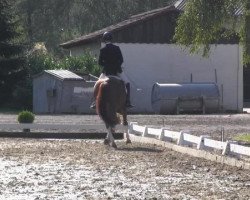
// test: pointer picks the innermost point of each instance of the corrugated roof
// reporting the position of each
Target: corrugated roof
(64, 74)
(122, 25)
(240, 10)
(180, 5)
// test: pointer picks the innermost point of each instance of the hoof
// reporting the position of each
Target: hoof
(106, 142)
(128, 141)
(114, 145)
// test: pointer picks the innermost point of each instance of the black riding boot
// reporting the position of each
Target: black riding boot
(128, 103)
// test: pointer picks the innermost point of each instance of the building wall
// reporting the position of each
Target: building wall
(145, 64)
(42, 101)
(69, 97)
(91, 47)
(158, 29)
(76, 97)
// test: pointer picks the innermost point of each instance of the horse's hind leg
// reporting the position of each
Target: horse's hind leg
(107, 139)
(110, 137)
(128, 141)
(125, 123)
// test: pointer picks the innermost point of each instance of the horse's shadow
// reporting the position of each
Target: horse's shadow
(139, 149)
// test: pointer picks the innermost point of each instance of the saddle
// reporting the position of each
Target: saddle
(104, 77)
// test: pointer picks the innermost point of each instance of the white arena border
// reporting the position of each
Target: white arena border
(204, 145)
(162, 137)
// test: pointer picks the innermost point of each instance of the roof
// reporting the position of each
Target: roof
(240, 10)
(64, 74)
(179, 5)
(122, 25)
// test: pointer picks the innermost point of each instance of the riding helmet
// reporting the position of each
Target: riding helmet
(107, 36)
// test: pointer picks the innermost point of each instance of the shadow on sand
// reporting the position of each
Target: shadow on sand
(139, 149)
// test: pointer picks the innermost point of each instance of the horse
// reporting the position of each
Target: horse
(110, 104)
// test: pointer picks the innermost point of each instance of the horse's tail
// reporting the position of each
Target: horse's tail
(104, 109)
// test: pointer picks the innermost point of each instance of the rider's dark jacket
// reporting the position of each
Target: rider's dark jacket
(111, 59)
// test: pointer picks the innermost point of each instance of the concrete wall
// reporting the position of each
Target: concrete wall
(145, 64)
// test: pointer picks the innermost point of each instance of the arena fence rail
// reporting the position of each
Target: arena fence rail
(184, 138)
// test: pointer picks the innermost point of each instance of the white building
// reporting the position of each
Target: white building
(150, 57)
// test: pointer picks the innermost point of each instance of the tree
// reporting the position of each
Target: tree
(207, 22)
(12, 69)
(57, 21)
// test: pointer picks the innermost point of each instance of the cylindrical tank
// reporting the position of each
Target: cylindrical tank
(173, 98)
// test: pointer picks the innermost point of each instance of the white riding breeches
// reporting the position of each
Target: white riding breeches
(119, 75)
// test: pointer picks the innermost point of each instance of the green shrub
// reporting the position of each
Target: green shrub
(26, 117)
(36, 63)
(85, 63)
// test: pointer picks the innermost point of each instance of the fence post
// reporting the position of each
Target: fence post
(145, 132)
(130, 128)
(181, 139)
(226, 150)
(161, 136)
(201, 145)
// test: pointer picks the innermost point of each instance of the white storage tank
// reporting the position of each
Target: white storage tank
(175, 98)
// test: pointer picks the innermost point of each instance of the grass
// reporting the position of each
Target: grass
(243, 137)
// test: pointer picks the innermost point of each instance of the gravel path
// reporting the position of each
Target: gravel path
(86, 169)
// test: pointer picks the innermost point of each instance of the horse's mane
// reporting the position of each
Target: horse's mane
(104, 109)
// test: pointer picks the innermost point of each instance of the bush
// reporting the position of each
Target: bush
(82, 64)
(36, 63)
(26, 117)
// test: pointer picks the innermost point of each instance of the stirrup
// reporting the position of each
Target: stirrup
(93, 106)
(129, 105)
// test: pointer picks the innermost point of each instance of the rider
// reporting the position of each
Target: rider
(111, 59)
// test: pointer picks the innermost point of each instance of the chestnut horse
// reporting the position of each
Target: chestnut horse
(110, 102)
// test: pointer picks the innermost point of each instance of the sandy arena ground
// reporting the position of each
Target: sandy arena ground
(86, 169)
